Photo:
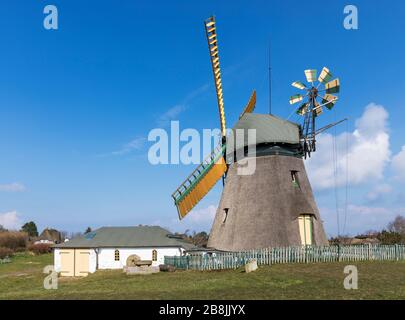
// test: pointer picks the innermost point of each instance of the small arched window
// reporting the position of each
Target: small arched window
(117, 255)
(226, 210)
(154, 255)
(294, 179)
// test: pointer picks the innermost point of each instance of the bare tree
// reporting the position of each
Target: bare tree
(398, 225)
(64, 235)
(75, 235)
(371, 233)
(200, 239)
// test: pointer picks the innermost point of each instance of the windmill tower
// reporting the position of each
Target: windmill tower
(274, 206)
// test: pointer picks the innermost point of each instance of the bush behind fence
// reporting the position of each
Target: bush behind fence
(269, 256)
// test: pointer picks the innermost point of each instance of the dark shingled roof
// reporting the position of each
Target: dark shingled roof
(129, 237)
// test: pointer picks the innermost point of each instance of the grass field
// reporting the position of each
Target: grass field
(23, 279)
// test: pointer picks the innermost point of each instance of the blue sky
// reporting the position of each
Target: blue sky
(77, 103)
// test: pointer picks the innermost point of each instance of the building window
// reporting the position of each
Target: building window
(294, 179)
(154, 255)
(117, 255)
(226, 210)
(305, 224)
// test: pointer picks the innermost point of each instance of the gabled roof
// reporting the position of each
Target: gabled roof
(127, 237)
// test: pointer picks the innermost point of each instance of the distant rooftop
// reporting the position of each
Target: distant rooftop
(127, 237)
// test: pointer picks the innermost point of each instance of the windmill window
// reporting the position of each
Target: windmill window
(226, 210)
(154, 255)
(117, 255)
(294, 179)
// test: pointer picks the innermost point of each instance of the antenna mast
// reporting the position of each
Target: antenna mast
(270, 76)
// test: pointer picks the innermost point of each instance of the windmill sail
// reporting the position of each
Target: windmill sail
(310, 75)
(251, 104)
(299, 85)
(296, 98)
(325, 75)
(329, 101)
(197, 185)
(333, 86)
(212, 39)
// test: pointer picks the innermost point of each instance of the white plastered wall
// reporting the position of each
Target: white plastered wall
(106, 258)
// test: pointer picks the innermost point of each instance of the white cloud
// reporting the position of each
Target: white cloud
(162, 121)
(367, 152)
(398, 163)
(12, 187)
(10, 220)
(134, 144)
(196, 220)
(174, 112)
(379, 192)
(171, 114)
(362, 218)
(359, 218)
(202, 215)
(369, 211)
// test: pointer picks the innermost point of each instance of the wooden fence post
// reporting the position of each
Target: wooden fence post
(368, 252)
(338, 252)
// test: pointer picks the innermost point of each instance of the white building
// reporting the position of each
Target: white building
(116, 247)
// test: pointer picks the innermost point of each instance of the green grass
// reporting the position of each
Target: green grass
(23, 279)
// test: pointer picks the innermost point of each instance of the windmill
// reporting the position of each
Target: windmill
(274, 206)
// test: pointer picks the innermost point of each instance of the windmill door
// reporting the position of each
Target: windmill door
(305, 226)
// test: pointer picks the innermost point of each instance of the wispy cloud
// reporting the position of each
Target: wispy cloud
(162, 121)
(359, 218)
(170, 115)
(13, 187)
(135, 144)
(379, 192)
(174, 112)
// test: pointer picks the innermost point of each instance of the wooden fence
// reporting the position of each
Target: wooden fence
(269, 256)
(5, 260)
